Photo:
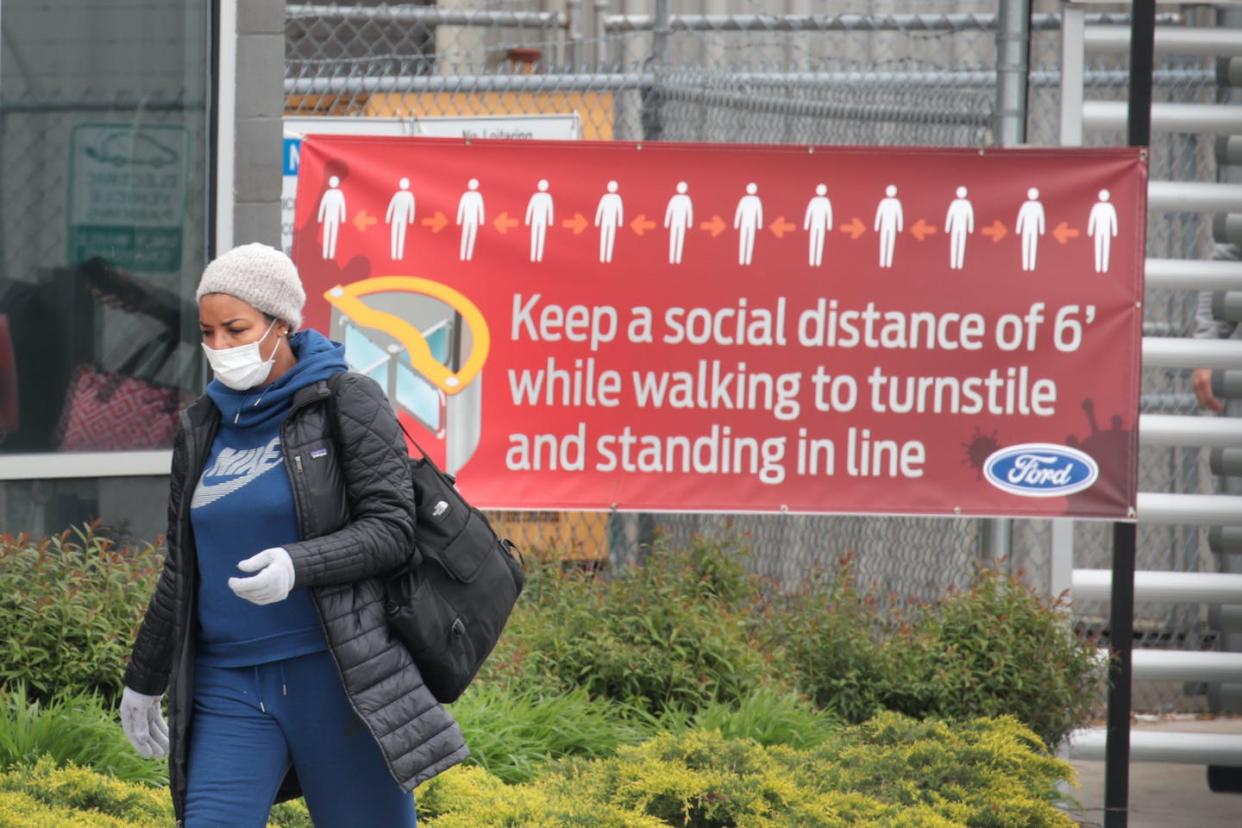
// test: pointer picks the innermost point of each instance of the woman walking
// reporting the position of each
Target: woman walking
(267, 626)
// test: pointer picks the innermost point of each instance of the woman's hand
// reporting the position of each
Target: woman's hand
(274, 581)
(144, 725)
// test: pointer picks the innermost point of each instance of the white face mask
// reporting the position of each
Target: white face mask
(243, 367)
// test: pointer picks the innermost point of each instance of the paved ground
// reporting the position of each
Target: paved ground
(1165, 796)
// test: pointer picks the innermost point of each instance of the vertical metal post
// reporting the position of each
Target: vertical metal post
(1008, 130)
(1072, 48)
(573, 58)
(1121, 620)
(1013, 43)
(653, 104)
(601, 35)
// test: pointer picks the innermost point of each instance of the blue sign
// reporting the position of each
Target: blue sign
(292, 155)
(1041, 470)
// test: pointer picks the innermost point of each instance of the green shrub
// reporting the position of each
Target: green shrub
(891, 771)
(513, 733)
(74, 727)
(832, 640)
(768, 716)
(44, 795)
(996, 649)
(70, 606)
(675, 633)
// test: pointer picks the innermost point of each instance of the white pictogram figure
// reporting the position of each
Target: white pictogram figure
(747, 219)
(1030, 226)
(1102, 226)
(678, 216)
(331, 214)
(608, 216)
(469, 217)
(959, 223)
(889, 221)
(400, 215)
(818, 221)
(538, 217)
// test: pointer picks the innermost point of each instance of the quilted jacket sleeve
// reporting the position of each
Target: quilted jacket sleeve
(375, 463)
(151, 659)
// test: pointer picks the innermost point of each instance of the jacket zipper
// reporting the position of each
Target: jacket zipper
(297, 507)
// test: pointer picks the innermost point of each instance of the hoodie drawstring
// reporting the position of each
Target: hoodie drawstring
(258, 689)
(284, 689)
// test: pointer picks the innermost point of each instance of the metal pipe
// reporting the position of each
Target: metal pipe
(573, 10)
(1071, 81)
(1155, 746)
(1164, 508)
(1177, 41)
(1191, 353)
(1227, 385)
(1193, 197)
(1211, 118)
(1225, 540)
(897, 81)
(429, 15)
(1226, 461)
(1012, 45)
(652, 98)
(1227, 305)
(601, 82)
(620, 23)
(1192, 274)
(1162, 587)
(601, 34)
(1169, 430)
(1187, 665)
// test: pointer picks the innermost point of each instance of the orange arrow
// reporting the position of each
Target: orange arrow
(437, 222)
(780, 227)
(716, 226)
(995, 230)
(855, 228)
(578, 223)
(641, 224)
(504, 224)
(364, 220)
(1063, 233)
(922, 230)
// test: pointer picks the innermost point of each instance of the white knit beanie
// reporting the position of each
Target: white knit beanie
(262, 276)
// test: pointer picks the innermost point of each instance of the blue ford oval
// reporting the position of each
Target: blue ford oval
(1040, 470)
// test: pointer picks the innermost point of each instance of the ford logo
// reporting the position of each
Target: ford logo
(1040, 470)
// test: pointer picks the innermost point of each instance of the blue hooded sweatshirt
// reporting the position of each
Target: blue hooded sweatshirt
(242, 505)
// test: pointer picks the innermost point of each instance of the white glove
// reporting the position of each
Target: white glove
(144, 724)
(274, 581)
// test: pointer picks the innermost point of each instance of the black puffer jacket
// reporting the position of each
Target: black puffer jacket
(356, 516)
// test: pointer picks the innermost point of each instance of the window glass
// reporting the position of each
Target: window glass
(104, 150)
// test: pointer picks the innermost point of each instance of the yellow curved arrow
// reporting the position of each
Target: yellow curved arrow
(348, 300)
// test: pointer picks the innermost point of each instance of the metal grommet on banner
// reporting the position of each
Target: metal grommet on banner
(784, 509)
(957, 510)
(810, 150)
(638, 147)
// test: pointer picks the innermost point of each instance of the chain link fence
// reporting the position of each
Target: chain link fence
(772, 72)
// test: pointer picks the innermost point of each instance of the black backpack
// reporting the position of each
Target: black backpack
(449, 603)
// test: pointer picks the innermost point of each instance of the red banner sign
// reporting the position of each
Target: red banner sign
(742, 328)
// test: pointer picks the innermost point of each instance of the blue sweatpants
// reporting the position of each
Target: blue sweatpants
(251, 723)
